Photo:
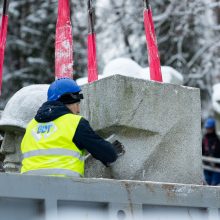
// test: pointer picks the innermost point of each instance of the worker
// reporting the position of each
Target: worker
(56, 140)
(211, 148)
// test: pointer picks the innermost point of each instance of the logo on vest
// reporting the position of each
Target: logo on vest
(44, 130)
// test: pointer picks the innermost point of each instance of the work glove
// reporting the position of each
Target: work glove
(117, 145)
(119, 148)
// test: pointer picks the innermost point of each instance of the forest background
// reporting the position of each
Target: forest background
(188, 34)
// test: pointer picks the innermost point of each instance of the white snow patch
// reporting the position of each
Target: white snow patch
(128, 67)
(216, 98)
(184, 190)
(123, 66)
(84, 80)
(27, 29)
(33, 60)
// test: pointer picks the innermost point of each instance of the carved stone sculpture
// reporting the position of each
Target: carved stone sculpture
(20, 109)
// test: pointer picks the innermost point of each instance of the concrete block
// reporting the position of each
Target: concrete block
(159, 124)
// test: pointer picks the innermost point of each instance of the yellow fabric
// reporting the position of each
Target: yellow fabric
(48, 136)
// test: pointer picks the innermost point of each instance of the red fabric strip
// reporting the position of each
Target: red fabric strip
(153, 54)
(3, 36)
(63, 42)
(92, 61)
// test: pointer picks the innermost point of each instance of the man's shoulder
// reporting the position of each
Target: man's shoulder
(83, 123)
(83, 120)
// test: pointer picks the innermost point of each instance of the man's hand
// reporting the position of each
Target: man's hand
(119, 148)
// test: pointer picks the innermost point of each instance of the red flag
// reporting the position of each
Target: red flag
(92, 60)
(63, 42)
(153, 54)
(3, 37)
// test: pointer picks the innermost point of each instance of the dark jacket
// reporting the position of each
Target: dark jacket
(211, 147)
(1, 167)
(84, 138)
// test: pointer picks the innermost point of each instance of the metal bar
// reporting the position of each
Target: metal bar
(5, 7)
(214, 169)
(211, 159)
(146, 4)
(91, 17)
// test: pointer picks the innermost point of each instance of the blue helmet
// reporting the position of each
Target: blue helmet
(60, 87)
(210, 123)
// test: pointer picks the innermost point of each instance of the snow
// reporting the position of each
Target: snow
(84, 80)
(216, 98)
(128, 67)
(123, 66)
(27, 29)
(171, 75)
(33, 60)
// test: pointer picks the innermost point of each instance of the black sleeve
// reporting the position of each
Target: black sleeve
(217, 149)
(203, 148)
(86, 138)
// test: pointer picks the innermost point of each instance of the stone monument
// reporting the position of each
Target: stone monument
(19, 110)
(159, 125)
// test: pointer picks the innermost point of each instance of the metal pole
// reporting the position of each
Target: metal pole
(91, 17)
(5, 7)
(146, 4)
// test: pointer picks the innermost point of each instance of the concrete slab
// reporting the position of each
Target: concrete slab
(53, 198)
(159, 124)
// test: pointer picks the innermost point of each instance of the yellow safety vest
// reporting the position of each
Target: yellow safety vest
(48, 148)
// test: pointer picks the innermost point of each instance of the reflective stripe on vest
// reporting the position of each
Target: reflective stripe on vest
(52, 172)
(53, 151)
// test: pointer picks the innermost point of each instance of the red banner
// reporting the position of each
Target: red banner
(3, 36)
(63, 42)
(92, 61)
(153, 54)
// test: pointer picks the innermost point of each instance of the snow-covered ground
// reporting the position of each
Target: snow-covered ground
(128, 67)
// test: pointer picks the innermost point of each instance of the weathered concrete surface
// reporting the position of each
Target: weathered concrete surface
(20, 109)
(53, 198)
(159, 124)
